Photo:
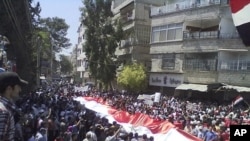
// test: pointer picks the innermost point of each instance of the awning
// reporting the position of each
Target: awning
(237, 88)
(233, 50)
(194, 87)
(42, 77)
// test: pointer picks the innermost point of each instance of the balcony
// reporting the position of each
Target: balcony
(234, 65)
(118, 2)
(128, 42)
(127, 18)
(200, 64)
(124, 51)
(185, 5)
(187, 35)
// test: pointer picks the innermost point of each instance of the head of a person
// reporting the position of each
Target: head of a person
(151, 138)
(136, 135)
(144, 136)
(88, 136)
(10, 85)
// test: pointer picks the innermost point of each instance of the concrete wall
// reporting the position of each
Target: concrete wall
(239, 78)
(200, 77)
(157, 65)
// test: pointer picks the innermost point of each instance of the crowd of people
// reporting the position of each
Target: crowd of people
(52, 114)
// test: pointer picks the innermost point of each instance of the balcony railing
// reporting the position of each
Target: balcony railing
(200, 34)
(187, 35)
(200, 64)
(187, 4)
(118, 2)
(235, 65)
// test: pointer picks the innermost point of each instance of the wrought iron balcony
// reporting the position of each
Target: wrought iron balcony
(200, 34)
(188, 35)
(185, 5)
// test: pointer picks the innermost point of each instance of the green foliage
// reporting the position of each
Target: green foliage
(57, 29)
(66, 65)
(133, 77)
(102, 38)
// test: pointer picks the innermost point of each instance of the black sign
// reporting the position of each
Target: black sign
(239, 132)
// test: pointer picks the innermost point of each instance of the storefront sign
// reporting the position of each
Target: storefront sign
(167, 80)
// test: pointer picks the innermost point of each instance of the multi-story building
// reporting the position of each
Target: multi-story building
(134, 16)
(194, 45)
(73, 59)
(81, 60)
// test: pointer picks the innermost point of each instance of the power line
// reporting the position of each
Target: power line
(13, 18)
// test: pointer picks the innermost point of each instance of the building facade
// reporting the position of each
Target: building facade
(134, 16)
(195, 44)
(81, 60)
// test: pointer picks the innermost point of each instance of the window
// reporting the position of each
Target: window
(235, 65)
(170, 32)
(200, 64)
(156, 56)
(86, 64)
(168, 61)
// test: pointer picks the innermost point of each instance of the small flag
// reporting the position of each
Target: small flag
(237, 100)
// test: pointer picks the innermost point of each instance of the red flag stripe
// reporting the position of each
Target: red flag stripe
(237, 5)
(155, 126)
(237, 100)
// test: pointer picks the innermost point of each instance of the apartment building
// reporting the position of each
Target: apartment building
(73, 59)
(81, 60)
(195, 45)
(134, 15)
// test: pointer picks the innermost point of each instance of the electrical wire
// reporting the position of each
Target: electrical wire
(13, 18)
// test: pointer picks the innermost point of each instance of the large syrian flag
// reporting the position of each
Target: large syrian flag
(137, 123)
(241, 17)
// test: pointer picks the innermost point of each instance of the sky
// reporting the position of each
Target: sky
(65, 9)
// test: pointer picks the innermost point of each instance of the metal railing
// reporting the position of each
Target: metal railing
(235, 65)
(200, 64)
(187, 4)
(200, 34)
(188, 35)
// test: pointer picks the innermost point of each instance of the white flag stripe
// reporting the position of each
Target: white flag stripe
(239, 99)
(241, 16)
(102, 110)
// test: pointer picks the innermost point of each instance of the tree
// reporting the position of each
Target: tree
(66, 65)
(133, 77)
(102, 38)
(57, 29)
(53, 33)
(16, 23)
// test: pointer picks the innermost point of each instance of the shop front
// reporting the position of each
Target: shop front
(165, 82)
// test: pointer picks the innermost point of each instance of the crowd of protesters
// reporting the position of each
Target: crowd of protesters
(53, 115)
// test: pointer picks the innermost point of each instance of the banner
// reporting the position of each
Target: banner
(82, 89)
(157, 97)
(146, 97)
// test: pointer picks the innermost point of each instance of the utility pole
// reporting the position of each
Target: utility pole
(51, 58)
(51, 63)
(38, 61)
